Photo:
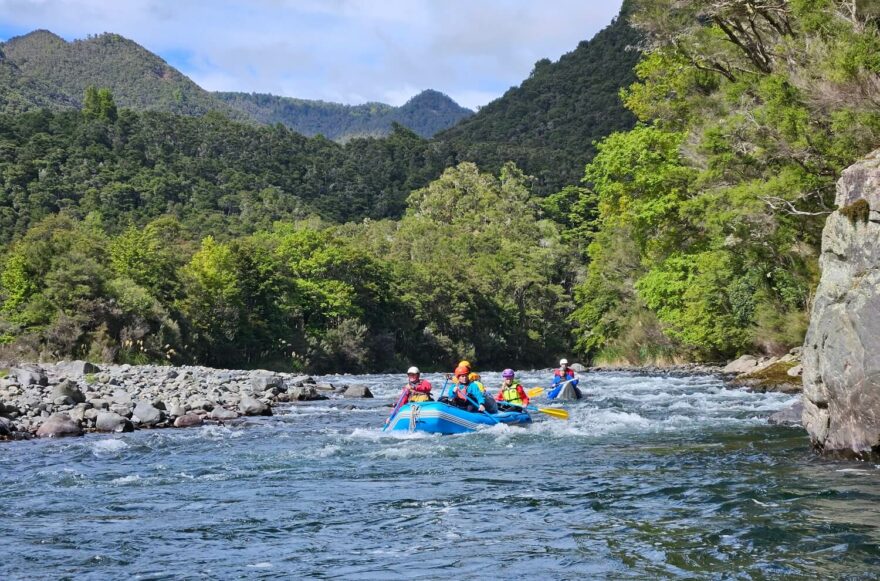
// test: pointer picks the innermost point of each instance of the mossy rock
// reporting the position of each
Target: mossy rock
(774, 377)
(858, 211)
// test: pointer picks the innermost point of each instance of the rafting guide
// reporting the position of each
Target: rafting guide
(415, 390)
(565, 385)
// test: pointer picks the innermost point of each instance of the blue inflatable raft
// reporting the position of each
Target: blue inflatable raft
(440, 418)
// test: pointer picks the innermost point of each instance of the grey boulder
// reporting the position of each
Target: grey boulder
(69, 389)
(841, 356)
(262, 383)
(188, 421)
(744, 364)
(251, 406)
(361, 391)
(30, 375)
(6, 428)
(219, 413)
(305, 393)
(77, 368)
(59, 426)
(300, 380)
(146, 415)
(121, 396)
(110, 422)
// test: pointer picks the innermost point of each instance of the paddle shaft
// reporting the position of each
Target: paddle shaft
(396, 409)
(552, 412)
(488, 415)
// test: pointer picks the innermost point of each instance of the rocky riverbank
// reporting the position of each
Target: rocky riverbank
(754, 372)
(71, 398)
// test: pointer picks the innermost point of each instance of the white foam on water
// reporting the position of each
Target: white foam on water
(376, 434)
(126, 479)
(105, 447)
(215, 432)
(325, 452)
(404, 452)
(261, 565)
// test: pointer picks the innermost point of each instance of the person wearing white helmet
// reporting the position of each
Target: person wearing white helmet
(416, 390)
(562, 377)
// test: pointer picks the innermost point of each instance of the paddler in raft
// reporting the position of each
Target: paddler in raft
(474, 377)
(451, 377)
(511, 392)
(466, 394)
(562, 377)
(416, 390)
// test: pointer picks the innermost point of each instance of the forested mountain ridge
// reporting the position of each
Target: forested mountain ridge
(217, 175)
(41, 69)
(19, 93)
(425, 114)
(548, 124)
(137, 78)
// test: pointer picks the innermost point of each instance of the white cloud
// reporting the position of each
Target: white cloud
(342, 50)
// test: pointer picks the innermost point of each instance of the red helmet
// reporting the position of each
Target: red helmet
(461, 370)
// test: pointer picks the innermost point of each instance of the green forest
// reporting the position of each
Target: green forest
(425, 114)
(689, 232)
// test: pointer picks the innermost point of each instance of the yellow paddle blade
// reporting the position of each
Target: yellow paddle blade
(535, 391)
(554, 413)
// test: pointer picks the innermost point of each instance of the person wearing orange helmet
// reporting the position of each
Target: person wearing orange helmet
(465, 393)
(451, 377)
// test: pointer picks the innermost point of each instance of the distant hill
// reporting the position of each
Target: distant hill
(548, 124)
(42, 70)
(19, 93)
(49, 71)
(425, 114)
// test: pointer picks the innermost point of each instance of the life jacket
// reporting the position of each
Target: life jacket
(511, 394)
(569, 373)
(419, 395)
(461, 391)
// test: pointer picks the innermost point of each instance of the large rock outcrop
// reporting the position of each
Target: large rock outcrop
(841, 357)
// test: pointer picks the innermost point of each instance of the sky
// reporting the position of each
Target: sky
(344, 51)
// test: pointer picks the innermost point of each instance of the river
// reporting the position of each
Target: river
(652, 477)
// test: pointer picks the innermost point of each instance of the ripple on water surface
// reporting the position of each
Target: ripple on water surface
(652, 477)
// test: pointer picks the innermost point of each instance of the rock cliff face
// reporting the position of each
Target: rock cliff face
(841, 357)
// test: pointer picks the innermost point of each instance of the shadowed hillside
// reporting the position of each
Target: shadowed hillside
(425, 114)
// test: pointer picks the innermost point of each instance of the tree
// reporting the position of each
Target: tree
(99, 104)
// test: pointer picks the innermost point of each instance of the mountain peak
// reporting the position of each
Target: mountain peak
(429, 98)
(137, 78)
(40, 35)
(425, 114)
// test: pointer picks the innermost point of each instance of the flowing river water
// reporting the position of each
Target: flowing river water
(652, 477)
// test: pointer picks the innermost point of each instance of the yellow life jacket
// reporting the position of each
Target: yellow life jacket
(417, 396)
(511, 394)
